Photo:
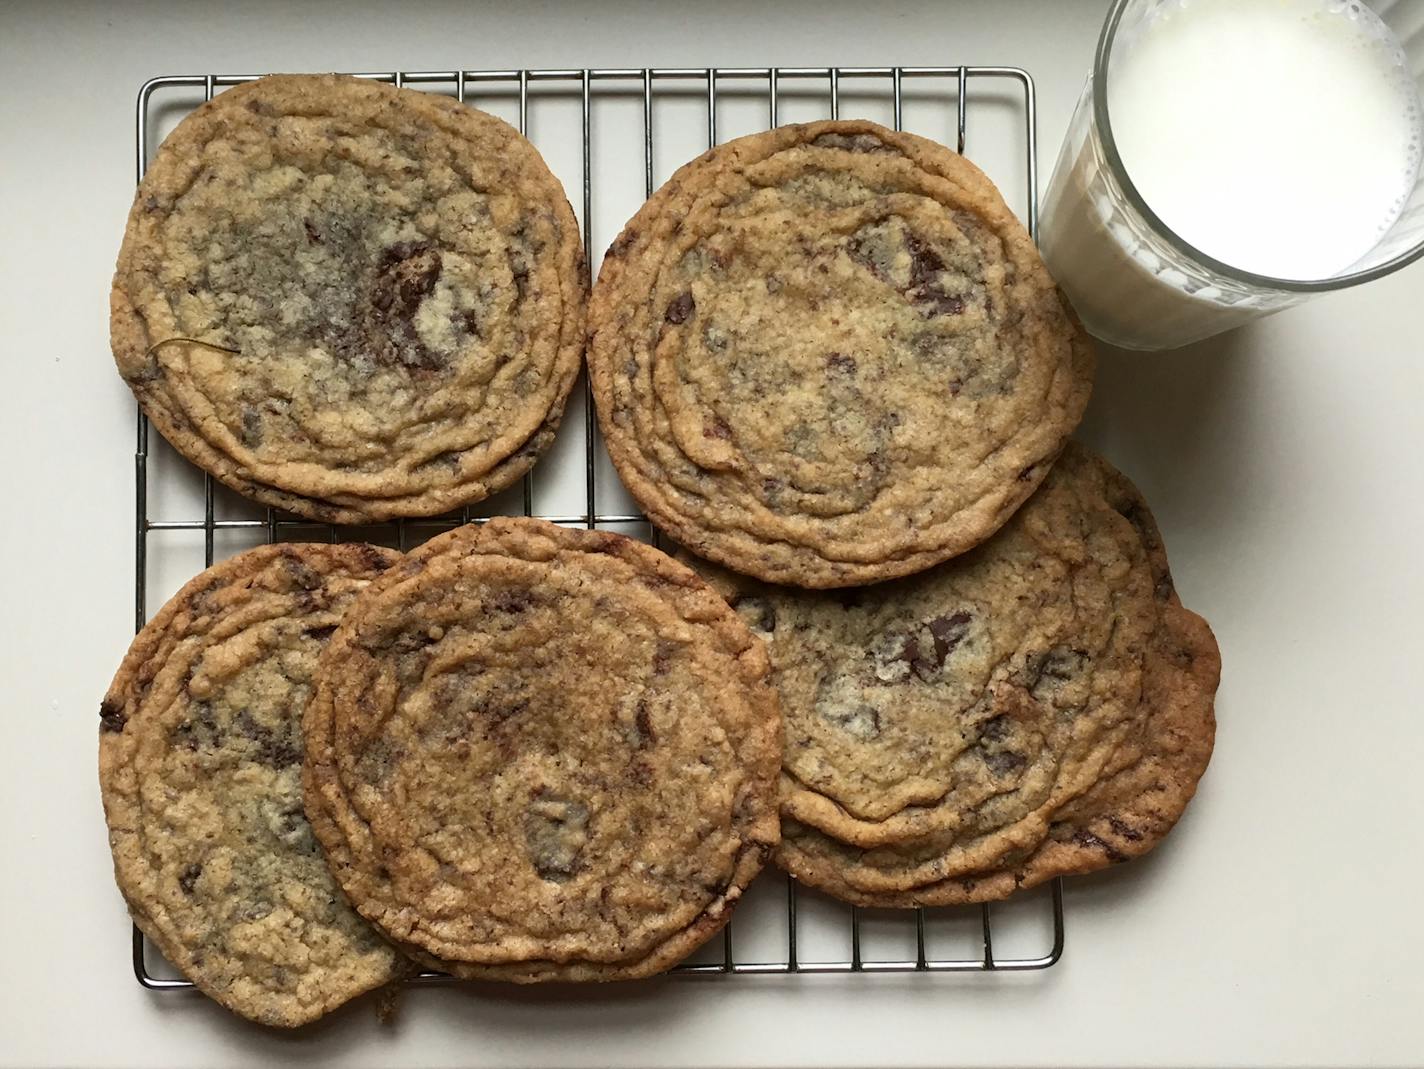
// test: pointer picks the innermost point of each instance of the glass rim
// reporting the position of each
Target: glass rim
(1236, 274)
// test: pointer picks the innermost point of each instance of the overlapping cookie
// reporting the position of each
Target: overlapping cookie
(537, 753)
(1038, 707)
(200, 754)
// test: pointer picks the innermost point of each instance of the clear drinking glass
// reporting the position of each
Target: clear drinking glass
(1135, 282)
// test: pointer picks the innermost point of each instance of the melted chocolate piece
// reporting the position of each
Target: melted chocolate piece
(111, 716)
(555, 831)
(189, 877)
(680, 308)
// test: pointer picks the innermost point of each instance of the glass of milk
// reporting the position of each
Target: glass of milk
(1229, 158)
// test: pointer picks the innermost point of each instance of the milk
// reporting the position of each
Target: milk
(1280, 137)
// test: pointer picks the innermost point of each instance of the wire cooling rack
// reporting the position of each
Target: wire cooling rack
(775, 928)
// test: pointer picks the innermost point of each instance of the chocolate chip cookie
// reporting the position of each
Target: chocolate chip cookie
(200, 752)
(388, 285)
(829, 354)
(1039, 706)
(543, 754)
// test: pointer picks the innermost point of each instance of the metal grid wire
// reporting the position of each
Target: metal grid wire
(583, 85)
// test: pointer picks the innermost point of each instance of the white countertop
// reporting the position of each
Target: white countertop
(1277, 926)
